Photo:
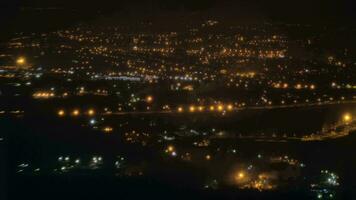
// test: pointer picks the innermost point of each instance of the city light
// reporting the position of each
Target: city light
(180, 109)
(170, 148)
(192, 108)
(347, 118)
(43, 95)
(75, 112)
(241, 175)
(149, 99)
(61, 113)
(204, 104)
(91, 112)
(21, 61)
(229, 107)
(108, 129)
(92, 121)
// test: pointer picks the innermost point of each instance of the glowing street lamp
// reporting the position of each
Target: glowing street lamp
(108, 129)
(170, 148)
(149, 99)
(91, 112)
(241, 175)
(75, 112)
(180, 109)
(20, 61)
(230, 107)
(61, 113)
(347, 118)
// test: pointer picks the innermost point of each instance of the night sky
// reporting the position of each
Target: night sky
(42, 15)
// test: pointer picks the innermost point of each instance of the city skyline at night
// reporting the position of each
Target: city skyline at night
(177, 99)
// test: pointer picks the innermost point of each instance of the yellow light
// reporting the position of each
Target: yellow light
(201, 108)
(21, 60)
(61, 113)
(91, 112)
(180, 109)
(230, 107)
(241, 175)
(347, 117)
(220, 107)
(212, 108)
(208, 157)
(76, 112)
(191, 108)
(108, 129)
(149, 99)
(170, 148)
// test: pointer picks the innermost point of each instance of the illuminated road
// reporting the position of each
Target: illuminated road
(231, 111)
(336, 131)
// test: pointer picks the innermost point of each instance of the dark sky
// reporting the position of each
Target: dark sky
(26, 14)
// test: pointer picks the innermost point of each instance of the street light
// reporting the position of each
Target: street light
(192, 108)
(61, 113)
(21, 60)
(91, 112)
(180, 109)
(230, 107)
(149, 99)
(347, 118)
(75, 112)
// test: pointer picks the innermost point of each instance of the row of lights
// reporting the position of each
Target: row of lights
(219, 108)
(76, 112)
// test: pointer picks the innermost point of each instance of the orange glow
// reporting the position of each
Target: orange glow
(230, 107)
(108, 129)
(347, 117)
(191, 108)
(170, 148)
(91, 112)
(240, 176)
(75, 112)
(298, 86)
(180, 109)
(61, 113)
(149, 99)
(201, 108)
(20, 60)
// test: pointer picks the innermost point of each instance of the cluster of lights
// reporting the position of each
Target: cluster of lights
(108, 129)
(171, 150)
